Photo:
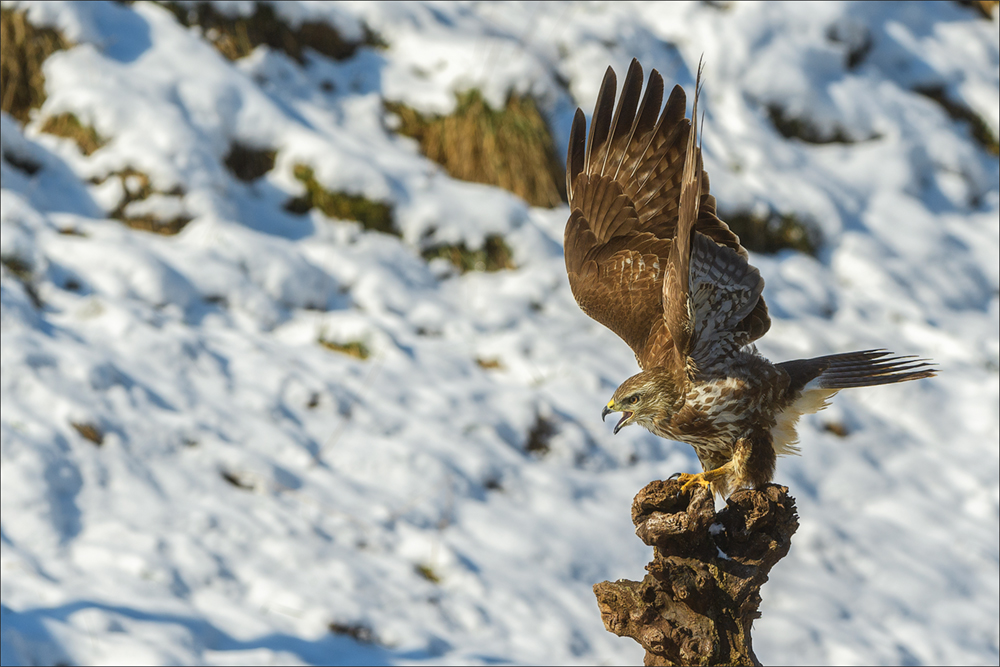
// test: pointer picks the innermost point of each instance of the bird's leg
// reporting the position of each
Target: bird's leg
(702, 478)
(750, 467)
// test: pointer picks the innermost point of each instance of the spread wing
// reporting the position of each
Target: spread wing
(645, 252)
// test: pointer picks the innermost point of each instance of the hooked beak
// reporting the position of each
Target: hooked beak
(626, 416)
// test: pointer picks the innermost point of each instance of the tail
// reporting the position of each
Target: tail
(814, 381)
(854, 369)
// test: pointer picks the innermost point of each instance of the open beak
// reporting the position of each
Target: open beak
(626, 416)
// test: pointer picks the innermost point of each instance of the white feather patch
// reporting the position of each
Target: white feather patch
(783, 433)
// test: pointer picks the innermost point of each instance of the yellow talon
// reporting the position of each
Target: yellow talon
(687, 480)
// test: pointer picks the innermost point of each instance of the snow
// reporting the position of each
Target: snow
(197, 357)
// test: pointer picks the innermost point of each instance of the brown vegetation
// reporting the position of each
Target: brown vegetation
(373, 215)
(428, 573)
(240, 481)
(836, 428)
(248, 163)
(795, 127)
(981, 132)
(354, 348)
(511, 148)
(21, 163)
(69, 126)
(23, 49)
(22, 271)
(539, 436)
(494, 255)
(359, 632)
(136, 186)
(89, 432)
(236, 37)
(774, 232)
(20, 268)
(984, 7)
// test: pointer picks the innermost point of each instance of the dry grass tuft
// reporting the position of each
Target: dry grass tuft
(354, 348)
(237, 37)
(495, 255)
(69, 126)
(985, 7)
(249, 164)
(792, 127)
(511, 148)
(89, 432)
(489, 364)
(428, 573)
(373, 215)
(539, 436)
(136, 187)
(21, 163)
(493, 483)
(981, 132)
(837, 429)
(151, 223)
(23, 49)
(774, 232)
(857, 46)
(359, 632)
(22, 271)
(20, 268)
(241, 482)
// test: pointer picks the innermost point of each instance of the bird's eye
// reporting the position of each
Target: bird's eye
(633, 399)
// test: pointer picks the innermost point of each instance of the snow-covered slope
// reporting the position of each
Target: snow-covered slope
(259, 498)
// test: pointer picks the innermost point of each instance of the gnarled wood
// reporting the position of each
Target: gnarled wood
(698, 601)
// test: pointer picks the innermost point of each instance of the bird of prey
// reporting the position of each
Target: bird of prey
(648, 257)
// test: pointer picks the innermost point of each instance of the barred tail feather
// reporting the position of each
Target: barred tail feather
(867, 368)
(812, 382)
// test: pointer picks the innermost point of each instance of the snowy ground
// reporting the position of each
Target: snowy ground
(196, 355)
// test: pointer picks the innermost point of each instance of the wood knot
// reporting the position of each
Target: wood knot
(671, 520)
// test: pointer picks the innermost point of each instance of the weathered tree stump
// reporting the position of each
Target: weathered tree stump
(698, 602)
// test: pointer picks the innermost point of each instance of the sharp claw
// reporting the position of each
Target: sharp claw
(696, 480)
(688, 480)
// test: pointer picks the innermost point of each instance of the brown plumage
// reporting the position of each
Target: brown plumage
(648, 257)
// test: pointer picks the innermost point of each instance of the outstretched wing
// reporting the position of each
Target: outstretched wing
(626, 187)
(709, 291)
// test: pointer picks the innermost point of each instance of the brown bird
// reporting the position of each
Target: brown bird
(648, 257)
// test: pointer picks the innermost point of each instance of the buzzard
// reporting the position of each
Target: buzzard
(648, 257)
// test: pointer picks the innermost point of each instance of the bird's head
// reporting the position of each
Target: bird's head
(644, 399)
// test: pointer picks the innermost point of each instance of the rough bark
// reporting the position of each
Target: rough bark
(698, 601)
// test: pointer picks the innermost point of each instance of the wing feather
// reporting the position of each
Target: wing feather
(640, 211)
(576, 153)
(678, 312)
(643, 124)
(724, 290)
(600, 126)
(622, 123)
